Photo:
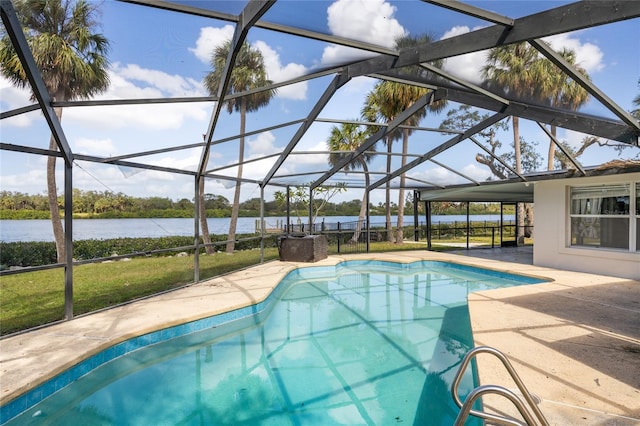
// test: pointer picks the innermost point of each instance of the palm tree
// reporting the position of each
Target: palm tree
(558, 90)
(72, 59)
(342, 141)
(387, 100)
(378, 108)
(511, 70)
(248, 73)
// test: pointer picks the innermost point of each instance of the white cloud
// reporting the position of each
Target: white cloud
(468, 66)
(456, 31)
(209, 39)
(187, 163)
(370, 21)
(476, 171)
(171, 85)
(360, 85)
(573, 138)
(30, 177)
(12, 97)
(437, 176)
(127, 82)
(588, 55)
(97, 147)
(156, 84)
(136, 117)
(442, 176)
(305, 162)
(254, 170)
(262, 145)
(336, 55)
(278, 73)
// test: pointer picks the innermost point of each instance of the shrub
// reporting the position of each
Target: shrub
(23, 214)
(39, 253)
(34, 253)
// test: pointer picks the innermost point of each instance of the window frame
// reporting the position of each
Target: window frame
(632, 217)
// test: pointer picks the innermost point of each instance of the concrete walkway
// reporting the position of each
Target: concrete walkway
(575, 341)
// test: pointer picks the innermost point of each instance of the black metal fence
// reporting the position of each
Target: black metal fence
(351, 237)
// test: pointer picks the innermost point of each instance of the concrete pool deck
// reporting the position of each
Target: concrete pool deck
(575, 341)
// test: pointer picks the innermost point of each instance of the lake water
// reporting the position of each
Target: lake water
(86, 229)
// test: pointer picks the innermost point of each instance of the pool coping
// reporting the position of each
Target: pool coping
(64, 345)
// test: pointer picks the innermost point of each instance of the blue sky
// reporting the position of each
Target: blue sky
(155, 53)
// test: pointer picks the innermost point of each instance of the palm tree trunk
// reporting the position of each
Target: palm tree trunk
(390, 235)
(516, 147)
(552, 149)
(52, 192)
(528, 208)
(516, 143)
(405, 149)
(204, 225)
(363, 205)
(235, 208)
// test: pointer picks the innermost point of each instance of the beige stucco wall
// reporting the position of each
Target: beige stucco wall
(551, 239)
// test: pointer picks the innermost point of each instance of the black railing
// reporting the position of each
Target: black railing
(351, 237)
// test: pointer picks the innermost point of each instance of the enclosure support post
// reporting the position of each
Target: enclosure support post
(517, 232)
(416, 222)
(261, 224)
(68, 239)
(502, 223)
(468, 225)
(310, 211)
(368, 228)
(196, 230)
(288, 228)
(427, 205)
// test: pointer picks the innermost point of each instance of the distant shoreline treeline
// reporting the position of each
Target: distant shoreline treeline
(110, 205)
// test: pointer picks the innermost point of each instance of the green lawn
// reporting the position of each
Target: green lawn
(35, 298)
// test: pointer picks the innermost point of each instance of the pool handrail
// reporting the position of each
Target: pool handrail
(466, 407)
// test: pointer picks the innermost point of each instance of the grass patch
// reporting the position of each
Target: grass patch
(36, 298)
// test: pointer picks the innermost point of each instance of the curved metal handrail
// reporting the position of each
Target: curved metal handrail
(523, 389)
(486, 389)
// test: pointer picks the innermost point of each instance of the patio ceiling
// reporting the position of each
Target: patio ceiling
(383, 64)
(519, 189)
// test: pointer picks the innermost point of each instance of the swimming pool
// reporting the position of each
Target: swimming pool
(364, 342)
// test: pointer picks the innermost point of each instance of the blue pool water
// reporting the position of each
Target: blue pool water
(365, 342)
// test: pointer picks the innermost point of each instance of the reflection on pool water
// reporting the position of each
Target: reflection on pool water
(365, 342)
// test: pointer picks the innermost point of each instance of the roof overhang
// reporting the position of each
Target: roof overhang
(517, 190)
(484, 192)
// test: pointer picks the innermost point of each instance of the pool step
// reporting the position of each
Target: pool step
(528, 408)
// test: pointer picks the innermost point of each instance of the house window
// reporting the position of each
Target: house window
(600, 216)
